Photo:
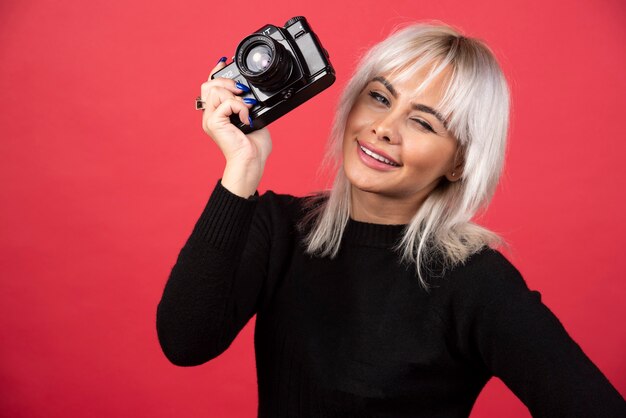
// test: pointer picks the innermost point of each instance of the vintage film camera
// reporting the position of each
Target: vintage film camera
(283, 67)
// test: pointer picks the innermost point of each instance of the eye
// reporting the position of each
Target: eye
(379, 98)
(424, 125)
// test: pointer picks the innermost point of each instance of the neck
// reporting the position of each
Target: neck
(378, 209)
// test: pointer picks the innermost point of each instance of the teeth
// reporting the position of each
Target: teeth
(378, 157)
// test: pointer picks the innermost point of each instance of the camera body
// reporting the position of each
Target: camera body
(283, 67)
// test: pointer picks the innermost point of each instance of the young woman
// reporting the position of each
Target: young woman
(381, 297)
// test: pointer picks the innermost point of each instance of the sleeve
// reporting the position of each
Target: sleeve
(213, 288)
(523, 343)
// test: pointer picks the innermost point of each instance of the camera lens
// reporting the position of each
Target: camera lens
(264, 62)
(259, 58)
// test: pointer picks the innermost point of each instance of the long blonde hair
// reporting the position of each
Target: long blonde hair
(476, 106)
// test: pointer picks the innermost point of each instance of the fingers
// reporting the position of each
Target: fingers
(220, 81)
(216, 96)
(233, 106)
(220, 64)
(225, 83)
(221, 114)
(221, 100)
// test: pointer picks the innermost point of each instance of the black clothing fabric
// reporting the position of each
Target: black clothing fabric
(357, 336)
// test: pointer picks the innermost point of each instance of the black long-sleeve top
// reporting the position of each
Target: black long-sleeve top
(357, 336)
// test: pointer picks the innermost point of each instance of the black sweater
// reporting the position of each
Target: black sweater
(357, 336)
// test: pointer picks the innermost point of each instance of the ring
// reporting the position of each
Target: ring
(199, 103)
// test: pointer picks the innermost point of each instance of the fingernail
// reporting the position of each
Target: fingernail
(223, 59)
(249, 100)
(250, 120)
(242, 87)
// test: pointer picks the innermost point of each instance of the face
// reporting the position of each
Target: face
(396, 144)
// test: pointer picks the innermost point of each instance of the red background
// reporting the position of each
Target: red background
(104, 170)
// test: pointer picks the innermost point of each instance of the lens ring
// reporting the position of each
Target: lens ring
(263, 61)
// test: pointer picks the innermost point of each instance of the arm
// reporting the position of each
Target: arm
(522, 342)
(213, 288)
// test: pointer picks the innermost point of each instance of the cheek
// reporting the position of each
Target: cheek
(351, 163)
(345, 149)
(357, 120)
(351, 131)
(429, 156)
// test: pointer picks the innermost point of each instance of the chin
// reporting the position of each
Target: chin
(366, 183)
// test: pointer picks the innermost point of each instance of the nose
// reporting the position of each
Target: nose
(386, 130)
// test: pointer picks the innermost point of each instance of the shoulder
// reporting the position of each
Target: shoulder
(279, 205)
(271, 199)
(487, 264)
(282, 214)
(485, 277)
(288, 208)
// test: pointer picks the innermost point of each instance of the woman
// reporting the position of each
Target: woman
(380, 298)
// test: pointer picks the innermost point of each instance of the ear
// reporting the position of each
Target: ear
(455, 173)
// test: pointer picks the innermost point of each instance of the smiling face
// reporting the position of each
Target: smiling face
(396, 147)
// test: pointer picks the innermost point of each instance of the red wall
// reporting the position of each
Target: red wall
(104, 170)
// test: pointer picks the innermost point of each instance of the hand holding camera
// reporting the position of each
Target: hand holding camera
(282, 68)
(274, 71)
(245, 154)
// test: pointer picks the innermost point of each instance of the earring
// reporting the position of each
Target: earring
(453, 173)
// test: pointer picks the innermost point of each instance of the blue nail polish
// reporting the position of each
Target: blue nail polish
(250, 120)
(242, 87)
(250, 100)
(223, 59)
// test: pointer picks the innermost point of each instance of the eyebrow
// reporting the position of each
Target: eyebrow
(416, 106)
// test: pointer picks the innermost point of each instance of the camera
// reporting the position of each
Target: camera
(282, 67)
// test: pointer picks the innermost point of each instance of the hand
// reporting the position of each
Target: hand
(245, 154)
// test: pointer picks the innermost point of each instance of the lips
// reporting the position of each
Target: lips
(378, 155)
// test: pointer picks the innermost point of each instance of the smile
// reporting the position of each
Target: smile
(378, 157)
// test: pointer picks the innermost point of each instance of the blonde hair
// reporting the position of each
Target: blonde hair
(476, 107)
